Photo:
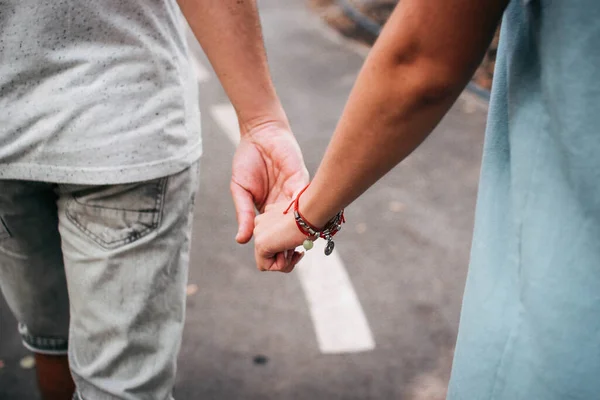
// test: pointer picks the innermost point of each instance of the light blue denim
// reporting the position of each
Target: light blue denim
(530, 323)
(101, 271)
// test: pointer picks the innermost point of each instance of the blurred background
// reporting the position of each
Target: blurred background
(378, 319)
(362, 20)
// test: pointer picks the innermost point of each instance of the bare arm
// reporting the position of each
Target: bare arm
(268, 165)
(423, 59)
(230, 34)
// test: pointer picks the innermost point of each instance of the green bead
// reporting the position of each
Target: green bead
(308, 244)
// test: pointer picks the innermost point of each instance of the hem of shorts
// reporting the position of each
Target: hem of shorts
(41, 344)
(76, 175)
(37, 350)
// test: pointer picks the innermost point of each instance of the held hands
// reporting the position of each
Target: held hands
(267, 168)
(282, 228)
(275, 237)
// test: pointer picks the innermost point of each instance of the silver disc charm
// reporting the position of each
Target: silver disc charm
(329, 247)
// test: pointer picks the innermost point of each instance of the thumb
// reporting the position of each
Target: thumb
(299, 182)
(244, 208)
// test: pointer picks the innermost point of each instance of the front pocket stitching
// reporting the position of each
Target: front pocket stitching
(110, 245)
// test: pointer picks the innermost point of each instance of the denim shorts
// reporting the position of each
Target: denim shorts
(99, 272)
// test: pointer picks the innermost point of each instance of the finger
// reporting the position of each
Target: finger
(244, 209)
(280, 263)
(299, 181)
(287, 269)
(262, 263)
(297, 192)
(265, 259)
(278, 206)
(295, 259)
(287, 259)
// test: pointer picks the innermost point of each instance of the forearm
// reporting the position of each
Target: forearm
(380, 126)
(408, 83)
(230, 34)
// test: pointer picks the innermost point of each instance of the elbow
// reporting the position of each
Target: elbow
(433, 92)
(425, 81)
(431, 84)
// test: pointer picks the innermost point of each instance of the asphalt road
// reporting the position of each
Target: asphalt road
(391, 298)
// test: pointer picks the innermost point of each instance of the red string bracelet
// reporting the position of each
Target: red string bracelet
(312, 233)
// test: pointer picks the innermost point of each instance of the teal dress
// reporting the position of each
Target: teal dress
(530, 322)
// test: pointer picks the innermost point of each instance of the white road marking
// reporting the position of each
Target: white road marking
(226, 118)
(196, 54)
(338, 317)
(339, 320)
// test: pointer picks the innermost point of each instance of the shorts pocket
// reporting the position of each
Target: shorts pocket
(116, 215)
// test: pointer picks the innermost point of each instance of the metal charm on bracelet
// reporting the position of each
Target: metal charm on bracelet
(332, 227)
(312, 232)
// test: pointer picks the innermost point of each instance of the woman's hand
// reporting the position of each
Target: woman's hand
(276, 237)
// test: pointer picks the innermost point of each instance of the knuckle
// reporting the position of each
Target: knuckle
(258, 233)
(260, 265)
(261, 249)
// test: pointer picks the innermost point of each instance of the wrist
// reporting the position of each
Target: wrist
(312, 232)
(273, 117)
(314, 209)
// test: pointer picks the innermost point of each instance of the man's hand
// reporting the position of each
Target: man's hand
(268, 165)
(267, 168)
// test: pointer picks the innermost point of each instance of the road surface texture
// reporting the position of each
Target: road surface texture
(376, 321)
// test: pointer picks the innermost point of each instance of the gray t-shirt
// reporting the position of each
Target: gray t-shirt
(95, 92)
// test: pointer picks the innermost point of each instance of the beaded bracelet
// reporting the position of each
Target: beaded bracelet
(312, 233)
